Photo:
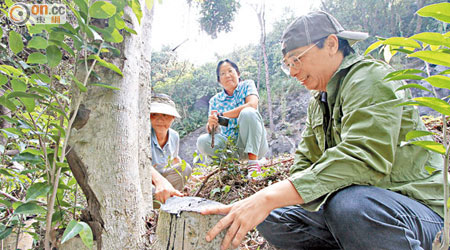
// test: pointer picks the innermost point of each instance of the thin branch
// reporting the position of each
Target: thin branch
(9, 196)
(205, 180)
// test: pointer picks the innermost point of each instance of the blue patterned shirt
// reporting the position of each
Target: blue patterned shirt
(223, 102)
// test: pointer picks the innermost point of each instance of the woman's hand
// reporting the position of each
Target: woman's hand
(213, 121)
(164, 190)
(241, 217)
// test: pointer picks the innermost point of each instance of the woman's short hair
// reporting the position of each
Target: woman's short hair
(232, 65)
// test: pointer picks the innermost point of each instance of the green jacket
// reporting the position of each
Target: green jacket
(362, 144)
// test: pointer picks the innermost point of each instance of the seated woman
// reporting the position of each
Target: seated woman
(239, 102)
(168, 174)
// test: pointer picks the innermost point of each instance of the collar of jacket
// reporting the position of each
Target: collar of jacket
(334, 83)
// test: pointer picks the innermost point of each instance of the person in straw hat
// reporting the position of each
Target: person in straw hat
(353, 184)
(169, 173)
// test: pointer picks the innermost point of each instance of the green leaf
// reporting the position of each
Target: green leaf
(439, 81)
(373, 47)
(18, 85)
(29, 208)
(132, 31)
(440, 11)
(5, 233)
(54, 56)
(64, 46)
(434, 103)
(15, 42)
(7, 103)
(37, 42)
(29, 104)
(404, 71)
(405, 76)
(86, 235)
(82, 5)
(117, 22)
(37, 190)
(24, 94)
(36, 28)
(94, 30)
(3, 79)
(120, 4)
(106, 64)
(112, 35)
(37, 57)
(6, 172)
(6, 203)
(72, 230)
(433, 57)
(445, 72)
(448, 203)
(8, 70)
(406, 51)
(27, 157)
(79, 84)
(104, 85)
(430, 170)
(1, 32)
(431, 38)
(413, 85)
(416, 133)
(402, 41)
(40, 76)
(32, 151)
(430, 145)
(136, 7)
(102, 10)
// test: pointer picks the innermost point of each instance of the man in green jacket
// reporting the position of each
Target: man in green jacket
(354, 184)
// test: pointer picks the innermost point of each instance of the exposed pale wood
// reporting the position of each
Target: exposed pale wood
(184, 228)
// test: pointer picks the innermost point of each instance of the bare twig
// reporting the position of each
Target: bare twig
(206, 180)
(9, 196)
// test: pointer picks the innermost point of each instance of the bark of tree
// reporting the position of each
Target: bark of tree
(420, 4)
(110, 154)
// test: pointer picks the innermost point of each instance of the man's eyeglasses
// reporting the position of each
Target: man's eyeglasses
(294, 62)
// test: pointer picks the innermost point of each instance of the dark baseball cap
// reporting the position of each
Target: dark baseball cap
(314, 26)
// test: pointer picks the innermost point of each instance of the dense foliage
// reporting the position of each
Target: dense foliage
(42, 67)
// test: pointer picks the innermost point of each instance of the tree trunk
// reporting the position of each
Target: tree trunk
(182, 227)
(420, 4)
(110, 154)
(262, 23)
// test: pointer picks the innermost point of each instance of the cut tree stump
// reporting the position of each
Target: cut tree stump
(182, 227)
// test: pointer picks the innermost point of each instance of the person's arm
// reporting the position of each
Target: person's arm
(246, 214)
(164, 190)
(250, 101)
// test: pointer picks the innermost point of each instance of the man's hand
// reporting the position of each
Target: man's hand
(240, 218)
(164, 190)
(246, 214)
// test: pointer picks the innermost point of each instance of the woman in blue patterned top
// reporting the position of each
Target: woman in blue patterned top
(239, 102)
